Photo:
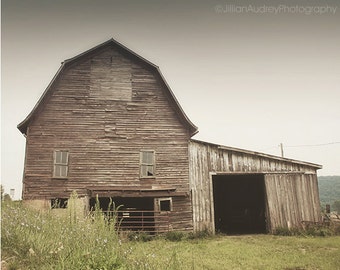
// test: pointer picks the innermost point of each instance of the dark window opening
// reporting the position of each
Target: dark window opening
(239, 203)
(165, 205)
(59, 203)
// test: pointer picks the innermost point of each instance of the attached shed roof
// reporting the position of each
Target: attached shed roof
(249, 152)
(111, 42)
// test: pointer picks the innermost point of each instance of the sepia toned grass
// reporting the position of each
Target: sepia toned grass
(41, 240)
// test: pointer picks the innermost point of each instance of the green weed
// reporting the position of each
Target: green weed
(174, 236)
(310, 230)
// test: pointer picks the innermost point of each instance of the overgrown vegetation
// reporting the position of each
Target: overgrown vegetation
(43, 240)
(331, 229)
(46, 241)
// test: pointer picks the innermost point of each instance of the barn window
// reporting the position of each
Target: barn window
(165, 204)
(147, 163)
(61, 158)
(59, 203)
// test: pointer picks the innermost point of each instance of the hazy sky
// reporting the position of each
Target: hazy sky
(249, 74)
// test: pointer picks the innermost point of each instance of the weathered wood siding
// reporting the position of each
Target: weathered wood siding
(291, 199)
(104, 109)
(182, 208)
(286, 190)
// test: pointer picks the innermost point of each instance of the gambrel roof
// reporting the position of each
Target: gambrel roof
(69, 62)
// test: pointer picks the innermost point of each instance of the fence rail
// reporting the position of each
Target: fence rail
(145, 221)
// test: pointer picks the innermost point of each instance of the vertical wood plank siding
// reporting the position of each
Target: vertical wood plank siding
(292, 198)
(291, 188)
(104, 122)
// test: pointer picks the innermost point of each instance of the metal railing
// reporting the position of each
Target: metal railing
(139, 220)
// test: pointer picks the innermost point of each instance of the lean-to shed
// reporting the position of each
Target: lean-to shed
(235, 190)
(109, 126)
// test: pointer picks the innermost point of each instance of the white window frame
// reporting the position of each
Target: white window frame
(143, 164)
(57, 164)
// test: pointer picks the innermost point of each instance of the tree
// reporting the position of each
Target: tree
(7, 197)
(336, 206)
(4, 196)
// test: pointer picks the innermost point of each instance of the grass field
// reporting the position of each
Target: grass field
(238, 252)
(34, 240)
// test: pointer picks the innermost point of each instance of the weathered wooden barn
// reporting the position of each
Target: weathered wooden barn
(109, 126)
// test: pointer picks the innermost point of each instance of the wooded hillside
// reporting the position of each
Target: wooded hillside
(329, 189)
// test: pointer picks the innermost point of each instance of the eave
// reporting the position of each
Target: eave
(259, 154)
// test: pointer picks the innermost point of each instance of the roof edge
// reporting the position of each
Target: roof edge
(23, 125)
(111, 40)
(249, 152)
(193, 127)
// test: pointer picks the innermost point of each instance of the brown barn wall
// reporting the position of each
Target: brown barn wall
(181, 208)
(291, 196)
(104, 122)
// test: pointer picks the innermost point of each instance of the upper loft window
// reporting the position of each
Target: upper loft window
(111, 77)
(60, 161)
(147, 164)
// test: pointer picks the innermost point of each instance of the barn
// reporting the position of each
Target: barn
(109, 127)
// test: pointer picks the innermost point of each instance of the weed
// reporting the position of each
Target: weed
(285, 231)
(200, 235)
(43, 240)
(174, 236)
(310, 230)
(139, 236)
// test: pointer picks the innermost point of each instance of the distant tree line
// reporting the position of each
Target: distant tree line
(329, 191)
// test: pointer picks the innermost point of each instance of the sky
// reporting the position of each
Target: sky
(249, 74)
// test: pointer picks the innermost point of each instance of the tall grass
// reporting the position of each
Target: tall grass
(41, 240)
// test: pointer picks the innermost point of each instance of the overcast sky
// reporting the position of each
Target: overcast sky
(249, 74)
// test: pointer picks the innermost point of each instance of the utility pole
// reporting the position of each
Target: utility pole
(281, 146)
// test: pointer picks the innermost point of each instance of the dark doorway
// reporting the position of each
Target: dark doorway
(132, 213)
(124, 203)
(239, 203)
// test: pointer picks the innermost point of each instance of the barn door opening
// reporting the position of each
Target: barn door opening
(239, 203)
